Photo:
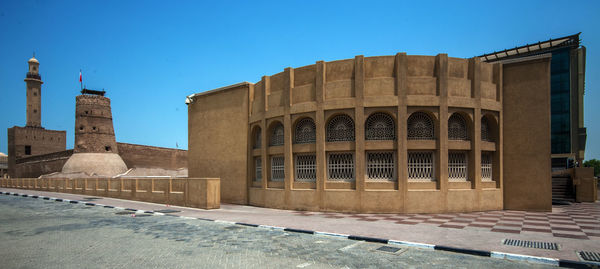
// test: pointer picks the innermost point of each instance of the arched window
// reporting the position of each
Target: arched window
(485, 129)
(340, 128)
(257, 138)
(380, 126)
(305, 131)
(276, 138)
(457, 128)
(420, 127)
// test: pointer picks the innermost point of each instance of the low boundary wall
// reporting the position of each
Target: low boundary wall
(202, 193)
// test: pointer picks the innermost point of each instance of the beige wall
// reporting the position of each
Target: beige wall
(192, 192)
(42, 141)
(218, 133)
(152, 157)
(526, 132)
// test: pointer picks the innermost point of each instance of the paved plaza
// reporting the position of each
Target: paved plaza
(64, 233)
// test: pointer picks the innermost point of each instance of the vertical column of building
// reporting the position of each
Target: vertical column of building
(34, 94)
(442, 156)
(497, 172)
(475, 66)
(250, 162)
(321, 78)
(359, 123)
(266, 166)
(287, 133)
(401, 74)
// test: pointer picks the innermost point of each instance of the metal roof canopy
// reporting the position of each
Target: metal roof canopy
(533, 49)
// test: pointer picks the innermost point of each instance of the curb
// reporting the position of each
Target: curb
(474, 252)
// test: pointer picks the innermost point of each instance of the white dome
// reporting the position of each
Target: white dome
(105, 164)
(33, 60)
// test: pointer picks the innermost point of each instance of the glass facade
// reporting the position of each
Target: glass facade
(561, 101)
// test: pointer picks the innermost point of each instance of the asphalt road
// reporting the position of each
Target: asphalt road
(36, 233)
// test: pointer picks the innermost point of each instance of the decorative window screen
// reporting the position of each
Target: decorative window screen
(305, 131)
(257, 169)
(276, 135)
(457, 128)
(485, 129)
(486, 166)
(457, 166)
(277, 168)
(420, 166)
(257, 138)
(420, 127)
(381, 166)
(306, 168)
(340, 128)
(340, 167)
(380, 126)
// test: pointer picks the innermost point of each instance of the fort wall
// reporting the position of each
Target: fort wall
(141, 156)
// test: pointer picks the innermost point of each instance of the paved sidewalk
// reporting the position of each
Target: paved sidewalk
(574, 228)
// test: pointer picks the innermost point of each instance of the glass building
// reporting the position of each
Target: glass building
(567, 89)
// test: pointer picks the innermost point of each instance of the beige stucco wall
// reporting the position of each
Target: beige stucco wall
(526, 132)
(217, 145)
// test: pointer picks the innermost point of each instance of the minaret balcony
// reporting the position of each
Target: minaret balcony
(34, 76)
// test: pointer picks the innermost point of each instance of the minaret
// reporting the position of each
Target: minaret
(34, 94)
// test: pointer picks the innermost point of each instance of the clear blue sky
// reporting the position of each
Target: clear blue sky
(149, 55)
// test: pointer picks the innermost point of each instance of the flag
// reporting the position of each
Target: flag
(80, 78)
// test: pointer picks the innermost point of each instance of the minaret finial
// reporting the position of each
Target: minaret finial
(34, 54)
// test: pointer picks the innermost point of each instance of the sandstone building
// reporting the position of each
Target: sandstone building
(402, 133)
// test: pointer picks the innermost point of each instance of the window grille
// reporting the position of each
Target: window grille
(277, 168)
(420, 166)
(457, 166)
(257, 138)
(340, 167)
(457, 128)
(306, 168)
(485, 129)
(380, 126)
(257, 169)
(420, 127)
(486, 166)
(305, 131)
(381, 166)
(277, 135)
(340, 128)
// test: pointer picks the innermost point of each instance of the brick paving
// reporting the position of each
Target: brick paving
(576, 221)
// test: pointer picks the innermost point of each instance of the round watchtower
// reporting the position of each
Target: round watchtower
(95, 149)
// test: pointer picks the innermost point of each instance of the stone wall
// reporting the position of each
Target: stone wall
(39, 141)
(191, 192)
(38, 165)
(141, 156)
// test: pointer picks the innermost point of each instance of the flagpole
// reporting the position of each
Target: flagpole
(80, 79)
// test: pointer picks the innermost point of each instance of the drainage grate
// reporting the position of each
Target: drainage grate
(589, 256)
(530, 244)
(388, 249)
(166, 211)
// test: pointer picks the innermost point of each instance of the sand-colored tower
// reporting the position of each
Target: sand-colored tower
(95, 149)
(34, 94)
